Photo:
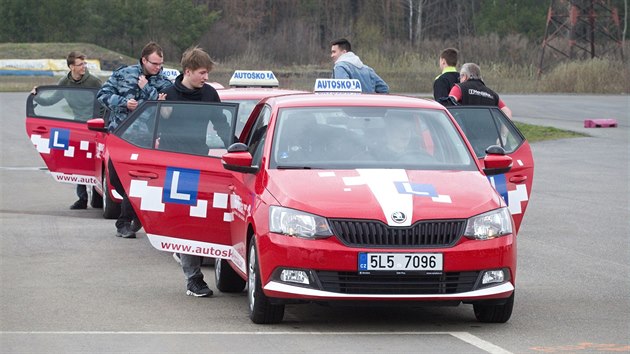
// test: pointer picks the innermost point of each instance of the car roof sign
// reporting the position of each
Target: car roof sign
(170, 74)
(338, 85)
(253, 78)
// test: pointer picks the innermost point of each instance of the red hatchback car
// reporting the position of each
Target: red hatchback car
(329, 198)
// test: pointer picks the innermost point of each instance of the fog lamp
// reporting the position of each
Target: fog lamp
(493, 276)
(294, 276)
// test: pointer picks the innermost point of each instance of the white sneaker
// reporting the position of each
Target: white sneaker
(177, 259)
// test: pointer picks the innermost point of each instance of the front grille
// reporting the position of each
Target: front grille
(374, 233)
(389, 284)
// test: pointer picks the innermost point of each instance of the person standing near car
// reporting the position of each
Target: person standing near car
(123, 92)
(78, 76)
(191, 85)
(349, 66)
(449, 76)
(471, 90)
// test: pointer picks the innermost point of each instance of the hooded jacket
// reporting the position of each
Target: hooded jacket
(184, 130)
(349, 66)
(123, 86)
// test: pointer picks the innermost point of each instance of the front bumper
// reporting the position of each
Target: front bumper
(332, 269)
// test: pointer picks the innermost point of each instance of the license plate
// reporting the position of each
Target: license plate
(405, 262)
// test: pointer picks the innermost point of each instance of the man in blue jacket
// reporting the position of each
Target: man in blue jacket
(349, 66)
(123, 92)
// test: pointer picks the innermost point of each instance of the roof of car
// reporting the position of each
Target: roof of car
(315, 99)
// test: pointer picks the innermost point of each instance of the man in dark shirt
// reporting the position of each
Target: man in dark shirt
(473, 91)
(449, 76)
(186, 132)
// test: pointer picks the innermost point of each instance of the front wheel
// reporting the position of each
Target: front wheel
(227, 280)
(261, 310)
(493, 313)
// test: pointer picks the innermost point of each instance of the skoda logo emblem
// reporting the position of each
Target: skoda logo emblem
(399, 217)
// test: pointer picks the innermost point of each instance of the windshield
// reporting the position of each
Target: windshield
(368, 137)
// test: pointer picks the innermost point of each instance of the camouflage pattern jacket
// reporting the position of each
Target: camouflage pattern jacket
(123, 86)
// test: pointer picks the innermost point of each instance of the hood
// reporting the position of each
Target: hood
(351, 58)
(81, 80)
(378, 194)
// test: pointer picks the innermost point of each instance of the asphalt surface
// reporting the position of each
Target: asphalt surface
(68, 285)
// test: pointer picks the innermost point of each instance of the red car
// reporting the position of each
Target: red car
(329, 198)
(319, 200)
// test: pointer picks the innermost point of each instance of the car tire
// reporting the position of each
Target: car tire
(494, 313)
(97, 200)
(111, 209)
(261, 310)
(227, 279)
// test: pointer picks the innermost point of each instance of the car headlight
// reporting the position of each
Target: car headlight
(297, 223)
(489, 225)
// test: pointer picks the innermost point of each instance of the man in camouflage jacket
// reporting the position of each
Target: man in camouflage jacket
(131, 85)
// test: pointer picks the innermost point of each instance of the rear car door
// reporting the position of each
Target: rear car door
(167, 155)
(486, 126)
(56, 124)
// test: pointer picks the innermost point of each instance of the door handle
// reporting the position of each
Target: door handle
(518, 179)
(143, 174)
(40, 130)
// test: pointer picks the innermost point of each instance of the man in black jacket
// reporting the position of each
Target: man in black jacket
(449, 76)
(189, 136)
(473, 91)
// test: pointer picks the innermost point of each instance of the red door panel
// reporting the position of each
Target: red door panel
(55, 124)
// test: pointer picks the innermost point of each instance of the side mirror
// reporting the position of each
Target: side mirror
(238, 159)
(496, 162)
(97, 124)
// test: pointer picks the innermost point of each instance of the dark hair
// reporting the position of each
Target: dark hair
(72, 56)
(343, 44)
(151, 48)
(450, 56)
(195, 58)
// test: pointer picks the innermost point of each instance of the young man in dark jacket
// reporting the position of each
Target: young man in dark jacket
(78, 76)
(191, 136)
(449, 76)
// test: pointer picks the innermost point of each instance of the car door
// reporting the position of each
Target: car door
(56, 124)
(486, 126)
(167, 156)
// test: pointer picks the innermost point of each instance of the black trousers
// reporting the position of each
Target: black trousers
(127, 214)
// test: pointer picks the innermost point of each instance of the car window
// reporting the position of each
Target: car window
(66, 103)
(485, 126)
(185, 127)
(510, 136)
(245, 108)
(367, 137)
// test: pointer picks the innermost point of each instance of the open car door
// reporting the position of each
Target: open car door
(56, 124)
(487, 126)
(167, 155)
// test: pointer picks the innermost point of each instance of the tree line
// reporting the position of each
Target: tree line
(280, 31)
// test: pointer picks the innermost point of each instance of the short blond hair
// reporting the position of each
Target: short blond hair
(195, 58)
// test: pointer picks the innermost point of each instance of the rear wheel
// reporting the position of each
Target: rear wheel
(97, 200)
(227, 279)
(493, 313)
(111, 209)
(261, 310)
